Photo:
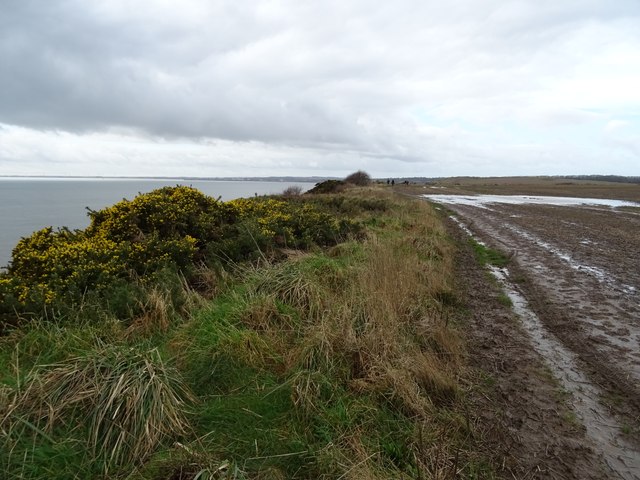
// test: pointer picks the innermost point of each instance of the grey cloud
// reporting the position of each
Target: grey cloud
(63, 68)
(329, 75)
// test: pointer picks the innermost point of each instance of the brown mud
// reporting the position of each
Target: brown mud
(566, 362)
(532, 186)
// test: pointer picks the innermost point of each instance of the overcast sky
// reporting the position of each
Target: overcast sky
(300, 87)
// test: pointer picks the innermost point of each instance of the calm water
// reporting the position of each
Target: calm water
(27, 205)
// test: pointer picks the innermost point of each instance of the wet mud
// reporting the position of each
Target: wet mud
(574, 282)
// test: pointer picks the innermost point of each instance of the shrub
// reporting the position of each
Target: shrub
(54, 268)
(169, 212)
(359, 178)
(328, 186)
(129, 242)
(289, 224)
(292, 191)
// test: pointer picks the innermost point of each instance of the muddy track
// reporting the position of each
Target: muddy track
(576, 269)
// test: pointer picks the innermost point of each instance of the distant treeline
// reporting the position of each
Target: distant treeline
(604, 178)
(598, 178)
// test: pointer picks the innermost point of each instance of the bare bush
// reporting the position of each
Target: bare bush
(360, 178)
(292, 191)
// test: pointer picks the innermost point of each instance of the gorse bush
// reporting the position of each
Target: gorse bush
(328, 186)
(290, 223)
(49, 266)
(131, 241)
(168, 212)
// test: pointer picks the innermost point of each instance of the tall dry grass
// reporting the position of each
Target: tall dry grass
(127, 402)
(387, 323)
(379, 325)
(359, 331)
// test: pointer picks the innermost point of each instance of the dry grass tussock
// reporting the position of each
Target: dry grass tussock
(158, 306)
(291, 284)
(157, 312)
(128, 401)
(386, 325)
(394, 299)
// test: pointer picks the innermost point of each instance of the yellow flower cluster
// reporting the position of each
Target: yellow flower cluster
(131, 237)
(291, 222)
(273, 216)
(170, 226)
(169, 211)
(50, 262)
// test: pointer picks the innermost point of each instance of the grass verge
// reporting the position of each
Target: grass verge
(340, 362)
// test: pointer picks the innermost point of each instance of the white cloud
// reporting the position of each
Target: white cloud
(615, 125)
(625, 135)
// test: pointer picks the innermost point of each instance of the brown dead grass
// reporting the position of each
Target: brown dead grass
(388, 323)
(157, 311)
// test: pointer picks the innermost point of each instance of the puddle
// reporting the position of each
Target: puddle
(466, 230)
(482, 200)
(600, 426)
(599, 274)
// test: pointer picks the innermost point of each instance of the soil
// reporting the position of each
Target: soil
(531, 186)
(579, 271)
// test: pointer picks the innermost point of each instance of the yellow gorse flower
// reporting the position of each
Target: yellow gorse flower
(168, 226)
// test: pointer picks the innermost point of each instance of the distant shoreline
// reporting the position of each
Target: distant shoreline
(617, 179)
(28, 204)
(200, 179)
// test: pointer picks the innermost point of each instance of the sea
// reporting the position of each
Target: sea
(29, 204)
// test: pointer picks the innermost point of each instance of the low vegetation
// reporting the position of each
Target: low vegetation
(488, 256)
(328, 186)
(134, 245)
(307, 336)
(359, 178)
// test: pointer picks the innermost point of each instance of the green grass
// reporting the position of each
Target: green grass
(504, 299)
(112, 407)
(627, 429)
(488, 256)
(571, 418)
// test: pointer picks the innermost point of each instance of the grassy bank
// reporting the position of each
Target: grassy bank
(336, 358)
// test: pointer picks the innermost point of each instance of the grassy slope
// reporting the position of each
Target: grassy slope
(338, 363)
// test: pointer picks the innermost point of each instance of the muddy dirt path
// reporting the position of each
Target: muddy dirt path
(574, 280)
